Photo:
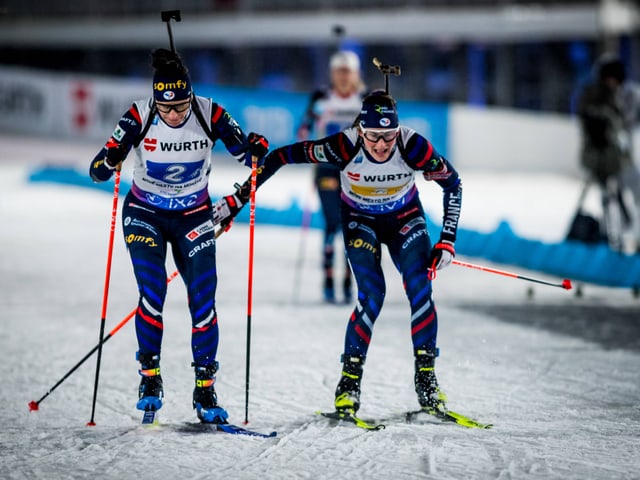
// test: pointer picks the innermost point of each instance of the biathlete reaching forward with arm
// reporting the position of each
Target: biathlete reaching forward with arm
(378, 160)
(172, 134)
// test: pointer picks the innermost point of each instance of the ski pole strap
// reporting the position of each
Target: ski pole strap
(431, 271)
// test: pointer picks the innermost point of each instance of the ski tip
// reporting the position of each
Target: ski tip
(566, 284)
(34, 406)
(448, 416)
(467, 422)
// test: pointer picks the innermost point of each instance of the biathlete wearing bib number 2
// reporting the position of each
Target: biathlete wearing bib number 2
(380, 205)
(172, 135)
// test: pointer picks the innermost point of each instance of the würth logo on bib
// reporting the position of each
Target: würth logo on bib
(353, 176)
(150, 144)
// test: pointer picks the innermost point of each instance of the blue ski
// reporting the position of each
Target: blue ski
(236, 430)
(204, 427)
(150, 417)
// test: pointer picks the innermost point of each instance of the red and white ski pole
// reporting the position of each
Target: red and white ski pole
(34, 405)
(252, 226)
(105, 296)
(566, 283)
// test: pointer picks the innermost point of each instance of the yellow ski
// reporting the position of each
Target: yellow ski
(347, 416)
(448, 416)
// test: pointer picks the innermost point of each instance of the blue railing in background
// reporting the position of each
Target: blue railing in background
(596, 264)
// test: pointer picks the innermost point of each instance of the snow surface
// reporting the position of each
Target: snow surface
(559, 376)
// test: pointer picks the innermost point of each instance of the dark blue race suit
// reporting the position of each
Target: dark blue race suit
(156, 213)
(398, 223)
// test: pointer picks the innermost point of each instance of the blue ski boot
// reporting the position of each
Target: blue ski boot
(150, 393)
(348, 390)
(205, 400)
(430, 396)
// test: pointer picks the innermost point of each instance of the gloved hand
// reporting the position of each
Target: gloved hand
(225, 209)
(115, 155)
(442, 254)
(258, 147)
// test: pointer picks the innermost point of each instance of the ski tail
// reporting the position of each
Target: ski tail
(347, 416)
(150, 417)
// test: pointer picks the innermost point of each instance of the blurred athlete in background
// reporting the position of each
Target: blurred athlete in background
(332, 110)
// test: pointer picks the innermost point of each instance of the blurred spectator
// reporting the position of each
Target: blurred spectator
(608, 109)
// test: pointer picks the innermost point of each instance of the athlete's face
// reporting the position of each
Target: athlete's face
(345, 81)
(174, 113)
(379, 142)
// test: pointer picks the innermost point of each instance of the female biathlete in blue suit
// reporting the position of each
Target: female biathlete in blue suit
(172, 134)
(378, 159)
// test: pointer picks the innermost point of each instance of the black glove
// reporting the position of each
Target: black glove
(115, 155)
(243, 192)
(258, 146)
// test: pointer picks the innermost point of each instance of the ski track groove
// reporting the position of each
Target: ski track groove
(297, 446)
(429, 459)
(74, 443)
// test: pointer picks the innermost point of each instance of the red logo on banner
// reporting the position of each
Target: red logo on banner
(80, 98)
(150, 144)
